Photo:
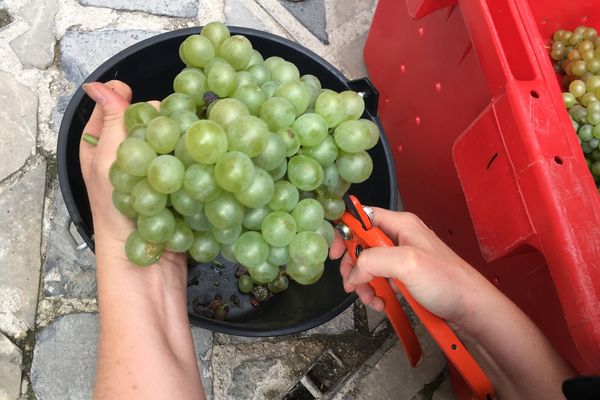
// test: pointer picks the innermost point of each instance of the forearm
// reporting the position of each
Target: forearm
(513, 352)
(146, 349)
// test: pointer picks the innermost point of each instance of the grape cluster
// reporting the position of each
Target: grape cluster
(577, 58)
(246, 158)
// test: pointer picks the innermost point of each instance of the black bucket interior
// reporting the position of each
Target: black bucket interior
(149, 68)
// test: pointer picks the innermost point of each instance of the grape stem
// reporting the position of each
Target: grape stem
(89, 138)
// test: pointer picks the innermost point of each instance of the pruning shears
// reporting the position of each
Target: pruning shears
(358, 233)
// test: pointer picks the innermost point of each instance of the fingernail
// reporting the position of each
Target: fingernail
(92, 90)
(352, 276)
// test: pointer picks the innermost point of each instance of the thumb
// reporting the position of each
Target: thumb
(113, 105)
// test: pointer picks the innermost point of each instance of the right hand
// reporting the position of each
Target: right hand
(437, 277)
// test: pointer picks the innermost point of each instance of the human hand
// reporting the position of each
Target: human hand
(437, 277)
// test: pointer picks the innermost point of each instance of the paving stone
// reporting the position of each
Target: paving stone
(203, 342)
(374, 318)
(445, 391)
(260, 370)
(10, 369)
(83, 52)
(5, 17)
(345, 10)
(21, 209)
(237, 14)
(18, 124)
(64, 359)
(311, 14)
(67, 272)
(343, 323)
(35, 47)
(351, 57)
(180, 8)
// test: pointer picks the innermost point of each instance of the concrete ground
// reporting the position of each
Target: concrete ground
(48, 320)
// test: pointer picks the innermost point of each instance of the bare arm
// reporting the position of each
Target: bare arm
(514, 354)
(146, 349)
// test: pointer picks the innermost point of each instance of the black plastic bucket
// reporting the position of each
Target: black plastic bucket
(149, 68)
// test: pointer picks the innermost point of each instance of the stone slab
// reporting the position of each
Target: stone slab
(5, 17)
(181, 8)
(311, 14)
(351, 57)
(64, 359)
(67, 272)
(35, 47)
(348, 9)
(10, 369)
(203, 342)
(343, 323)
(445, 391)
(18, 124)
(236, 14)
(21, 209)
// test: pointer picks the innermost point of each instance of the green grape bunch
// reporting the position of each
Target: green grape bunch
(247, 158)
(576, 56)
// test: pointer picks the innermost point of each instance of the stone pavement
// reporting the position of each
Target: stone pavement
(48, 320)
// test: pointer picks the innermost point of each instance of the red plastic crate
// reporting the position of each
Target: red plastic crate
(486, 154)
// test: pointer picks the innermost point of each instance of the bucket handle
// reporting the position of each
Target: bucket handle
(78, 246)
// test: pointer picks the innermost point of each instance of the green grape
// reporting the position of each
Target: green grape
(176, 102)
(199, 181)
(354, 167)
(206, 141)
(245, 78)
(249, 135)
(271, 62)
(221, 79)
(307, 195)
(197, 50)
(283, 71)
(595, 168)
(255, 59)
(216, 32)
(587, 99)
(308, 248)
(596, 132)
(308, 215)
(596, 155)
(226, 111)
(254, 218)
(331, 107)
(237, 50)
(182, 154)
(578, 68)
(557, 54)
(569, 99)
(325, 153)
(163, 134)
(157, 228)
(305, 274)
(121, 180)
(227, 236)
(277, 112)
(278, 255)
(590, 34)
(592, 84)
(278, 172)
(353, 104)
(586, 148)
(260, 73)
(264, 272)
(139, 114)
(140, 252)
(198, 222)
(260, 191)
(340, 187)
(273, 154)
(593, 65)
(191, 82)
(279, 284)
(577, 88)
(122, 202)
(181, 240)
(311, 129)
(205, 247)
(296, 93)
(165, 174)
(138, 131)
(224, 212)
(227, 252)
(593, 117)
(245, 284)
(593, 143)
(291, 140)
(327, 231)
(134, 156)
(185, 119)
(285, 197)
(585, 45)
(333, 205)
(314, 86)
(593, 106)
(578, 113)
(250, 249)
(352, 136)
(212, 63)
(269, 88)
(305, 173)
(331, 176)
(184, 203)
(252, 96)
(146, 200)
(278, 228)
(234, 171)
